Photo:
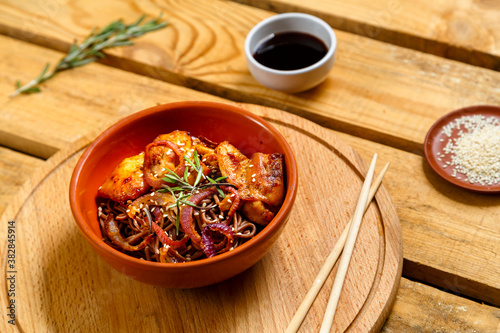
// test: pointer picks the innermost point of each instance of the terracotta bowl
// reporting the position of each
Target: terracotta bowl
(129, 136)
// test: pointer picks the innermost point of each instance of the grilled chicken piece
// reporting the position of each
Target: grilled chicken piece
(165, 153)
(259, 181)
(264, 179)
(232, 164)
(204, 146)
(180, 138)
(126, 182)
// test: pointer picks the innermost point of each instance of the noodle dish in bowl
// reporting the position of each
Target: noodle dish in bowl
(185, 194)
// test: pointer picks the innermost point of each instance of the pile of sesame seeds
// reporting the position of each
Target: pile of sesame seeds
(472, 149)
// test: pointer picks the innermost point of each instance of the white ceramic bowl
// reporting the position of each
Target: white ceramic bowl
(291, 81)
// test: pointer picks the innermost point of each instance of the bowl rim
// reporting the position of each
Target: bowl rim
(266, 232)
(286, 16)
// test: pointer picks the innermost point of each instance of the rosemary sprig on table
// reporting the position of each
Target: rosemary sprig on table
(115, 34)
(183, 189)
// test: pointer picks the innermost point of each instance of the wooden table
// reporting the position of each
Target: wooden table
(400, 66)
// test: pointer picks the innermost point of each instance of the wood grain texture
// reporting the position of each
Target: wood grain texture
(448, 228)
(468, 31)
(377, 91)
(458, 222)
(63, 277)
(420, 308)
(417, 308)
(15, 169)
(74, 102)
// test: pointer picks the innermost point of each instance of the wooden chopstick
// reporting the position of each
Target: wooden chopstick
(347, 252)
(327, 267)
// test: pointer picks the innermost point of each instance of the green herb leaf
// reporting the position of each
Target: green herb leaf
(170, 179)
(218, 189)
(198, 177)
(196, 160)
(186, 174)
(189, 162)
(83, 62)
(33, 90)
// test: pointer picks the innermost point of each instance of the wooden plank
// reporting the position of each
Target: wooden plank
(15, 169)
(73, 103)
(420, 308)
(451, 237)
(98, 93)
(467, 31)
(377, 91)
(364, 305)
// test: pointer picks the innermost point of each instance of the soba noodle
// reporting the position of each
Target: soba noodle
(135, 230)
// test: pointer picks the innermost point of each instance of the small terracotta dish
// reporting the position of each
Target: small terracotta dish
(436, 142)
(129, 136)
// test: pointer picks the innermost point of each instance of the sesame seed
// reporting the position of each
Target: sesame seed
(475, 149)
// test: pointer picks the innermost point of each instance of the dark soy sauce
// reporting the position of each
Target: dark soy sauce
(290, 51)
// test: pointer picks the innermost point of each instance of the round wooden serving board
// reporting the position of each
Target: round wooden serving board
(61, 284)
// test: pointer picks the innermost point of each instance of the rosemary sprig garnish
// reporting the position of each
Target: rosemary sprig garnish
(115, 34)
(182, 189)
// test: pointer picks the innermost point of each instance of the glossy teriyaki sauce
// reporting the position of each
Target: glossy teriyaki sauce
(290, 50)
